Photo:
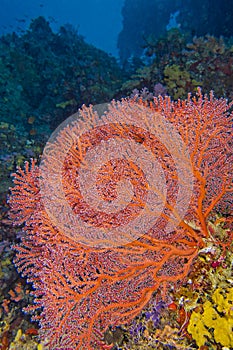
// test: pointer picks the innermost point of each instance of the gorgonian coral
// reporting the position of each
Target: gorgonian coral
(118, 208)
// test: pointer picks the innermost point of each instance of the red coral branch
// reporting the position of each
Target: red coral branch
(83, 288)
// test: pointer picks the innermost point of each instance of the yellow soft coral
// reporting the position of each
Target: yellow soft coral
(217, 315)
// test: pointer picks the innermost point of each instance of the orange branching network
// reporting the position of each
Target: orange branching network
(120, 209)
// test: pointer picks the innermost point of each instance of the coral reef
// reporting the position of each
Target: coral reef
(182, 323)
(47, 75)
(178, 81)
(180, 66)
(179, 286)
(84, 284)
(150, 19)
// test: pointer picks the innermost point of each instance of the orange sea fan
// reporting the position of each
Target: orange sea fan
(118, 208)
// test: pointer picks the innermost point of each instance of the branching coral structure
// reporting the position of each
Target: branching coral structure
(118, 209)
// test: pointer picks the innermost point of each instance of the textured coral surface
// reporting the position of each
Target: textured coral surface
(81, 287)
